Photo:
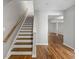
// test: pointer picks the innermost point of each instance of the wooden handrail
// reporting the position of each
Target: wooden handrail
(12, 30)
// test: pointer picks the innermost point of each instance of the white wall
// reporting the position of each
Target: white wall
(11, 13)
(69, 27)
(42, 27)
(6, 2)
(51, 27)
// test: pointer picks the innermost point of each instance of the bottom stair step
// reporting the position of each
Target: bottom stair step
(21, 52)
(20, 57)
(22, 46)
(21, 49)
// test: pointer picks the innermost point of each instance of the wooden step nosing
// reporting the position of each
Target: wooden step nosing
(22, 43)
(26, 27)
(25, 30)
(21, 49)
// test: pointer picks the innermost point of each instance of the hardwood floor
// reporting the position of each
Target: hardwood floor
(54, 50)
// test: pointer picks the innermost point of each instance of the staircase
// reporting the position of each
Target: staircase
(22, 44)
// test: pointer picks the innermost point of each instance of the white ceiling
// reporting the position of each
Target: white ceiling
(5, 2)
(53, 17)
(51, 5)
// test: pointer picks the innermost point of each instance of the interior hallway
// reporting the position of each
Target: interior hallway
(54, 50)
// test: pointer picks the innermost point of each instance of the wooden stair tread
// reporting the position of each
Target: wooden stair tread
(25, 34)
(26, 31)
(24, 38)
(23, 43)
(21, 49)
(26, 28)
(27, 24)
(20, 57)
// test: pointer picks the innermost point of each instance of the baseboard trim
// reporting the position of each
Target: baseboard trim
(33, 56)
(34, 51)
(41, 43)
(68, 46)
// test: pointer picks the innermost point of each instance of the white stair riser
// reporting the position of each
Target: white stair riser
(25, 37)
(22, 46)
(21, 53)
(26, 25)
(23, 41)
(25, 33)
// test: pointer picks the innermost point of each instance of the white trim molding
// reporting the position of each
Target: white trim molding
(68, 46)
(41, 43)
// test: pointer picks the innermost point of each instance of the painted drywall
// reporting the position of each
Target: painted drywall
(5, 2)
(42, 27)
(69, 27)
(29, 5)
(11, 13)
(51, 27)
(50, 5)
